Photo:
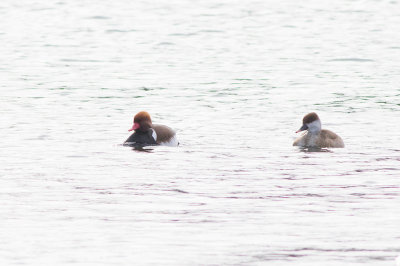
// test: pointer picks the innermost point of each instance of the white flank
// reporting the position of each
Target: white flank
(172, 142)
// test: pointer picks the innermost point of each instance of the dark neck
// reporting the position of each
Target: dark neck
(145, 126)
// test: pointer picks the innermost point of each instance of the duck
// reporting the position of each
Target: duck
(315, 136)
(146, 133)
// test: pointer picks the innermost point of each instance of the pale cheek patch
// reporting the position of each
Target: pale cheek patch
(314, 126)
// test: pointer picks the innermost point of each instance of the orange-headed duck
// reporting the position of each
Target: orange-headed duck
(147, 133)
(315, 136)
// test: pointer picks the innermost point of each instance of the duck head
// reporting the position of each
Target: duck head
(311, 123)
(141, 122)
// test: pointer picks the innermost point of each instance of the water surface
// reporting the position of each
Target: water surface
(234, 79)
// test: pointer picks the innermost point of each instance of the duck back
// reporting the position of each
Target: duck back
(330, 139)
(164, 133)
(324, 139)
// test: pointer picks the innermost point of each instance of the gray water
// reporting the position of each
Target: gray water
(234, 79)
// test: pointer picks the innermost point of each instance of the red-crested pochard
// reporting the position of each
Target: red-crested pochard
(147, 133)
(315, 136)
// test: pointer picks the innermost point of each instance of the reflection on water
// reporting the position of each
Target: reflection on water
(138, 147)
(313, 149)
(233, 79)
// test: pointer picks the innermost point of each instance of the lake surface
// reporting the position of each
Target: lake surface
(234, 79)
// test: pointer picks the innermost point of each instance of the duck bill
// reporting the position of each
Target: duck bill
(134, 127)
(304, 127)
